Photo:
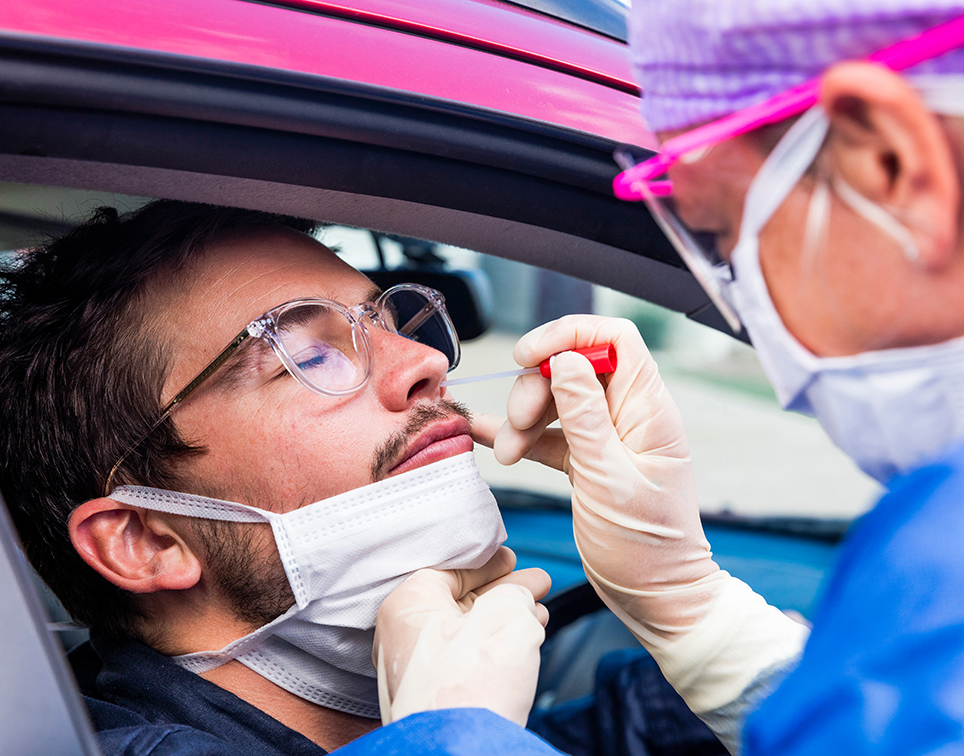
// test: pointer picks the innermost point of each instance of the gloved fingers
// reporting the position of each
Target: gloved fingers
(642, 411)
(485, 427)
(431, 655)
(551, 449)
(503, 617)
(584, 412)
(431, 590)
(531, 405)
(576, 331)
(424, 590)
(512, 443)
(535, 580)
(547, 448)
(464, 583)
(421, 593)
(528, 402)
(439, 592)
(504, 603)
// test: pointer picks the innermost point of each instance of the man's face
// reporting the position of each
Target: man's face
(269, 442)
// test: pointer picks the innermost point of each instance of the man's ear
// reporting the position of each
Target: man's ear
(888, 146)
(134, 548)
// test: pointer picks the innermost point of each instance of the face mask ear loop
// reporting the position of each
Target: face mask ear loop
(817, 226)
(875, 214)
(781, 171)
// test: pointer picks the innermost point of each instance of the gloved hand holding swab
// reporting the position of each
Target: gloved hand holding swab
(602, 357)
(635, 513)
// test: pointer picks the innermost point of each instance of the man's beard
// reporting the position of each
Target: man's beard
(246, 568)
(242, 558)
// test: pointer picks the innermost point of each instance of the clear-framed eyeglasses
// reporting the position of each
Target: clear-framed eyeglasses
(325, 345)
(645, 181)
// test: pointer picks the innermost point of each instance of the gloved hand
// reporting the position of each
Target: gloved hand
(462, 638)
(635, 511)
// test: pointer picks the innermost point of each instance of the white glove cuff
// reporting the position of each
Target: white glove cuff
(711, 662)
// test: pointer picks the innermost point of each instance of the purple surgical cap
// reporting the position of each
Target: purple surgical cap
(697, 60)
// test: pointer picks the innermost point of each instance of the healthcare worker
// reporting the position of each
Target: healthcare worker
(821, 146)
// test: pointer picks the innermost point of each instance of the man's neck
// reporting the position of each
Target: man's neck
(328, 728)
(198, 620)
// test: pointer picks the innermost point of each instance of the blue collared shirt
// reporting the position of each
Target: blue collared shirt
(142, 704)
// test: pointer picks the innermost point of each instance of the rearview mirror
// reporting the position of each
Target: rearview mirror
(468, 293)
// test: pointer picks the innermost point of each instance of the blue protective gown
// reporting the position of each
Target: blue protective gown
(883, 671)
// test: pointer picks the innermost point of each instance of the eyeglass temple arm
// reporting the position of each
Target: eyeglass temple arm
(418, 318)
(181, 396)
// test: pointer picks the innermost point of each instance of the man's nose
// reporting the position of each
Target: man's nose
(405, 371)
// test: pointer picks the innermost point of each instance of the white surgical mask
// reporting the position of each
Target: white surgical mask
(343, 556)
(889, 410)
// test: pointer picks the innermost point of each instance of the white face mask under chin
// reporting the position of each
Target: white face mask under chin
(342, 557)
(889, 410)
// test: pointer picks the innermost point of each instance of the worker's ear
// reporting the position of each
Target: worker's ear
(134, 548)
(887, 145)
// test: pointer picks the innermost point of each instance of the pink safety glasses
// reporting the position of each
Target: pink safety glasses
(639, 182)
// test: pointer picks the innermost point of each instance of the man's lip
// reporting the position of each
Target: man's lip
(444, 439)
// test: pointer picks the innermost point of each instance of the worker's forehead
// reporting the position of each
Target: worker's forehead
(697, 60)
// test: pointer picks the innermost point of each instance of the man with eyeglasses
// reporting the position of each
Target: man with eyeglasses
(810, 175)
(223, 447)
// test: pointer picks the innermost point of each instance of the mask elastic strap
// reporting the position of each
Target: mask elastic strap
(190, 505)
(782, 169)
(203, 661)
(943, 93)
(877, 215)
(817, 226)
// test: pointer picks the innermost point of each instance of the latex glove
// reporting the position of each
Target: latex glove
(635, 511)
(462, 638)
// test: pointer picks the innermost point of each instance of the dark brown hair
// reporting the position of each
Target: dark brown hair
(81, 378)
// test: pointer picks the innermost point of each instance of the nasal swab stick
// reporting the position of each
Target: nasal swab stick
(602, 357)
(490, 376)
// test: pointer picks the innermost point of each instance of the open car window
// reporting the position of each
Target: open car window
(752, 459)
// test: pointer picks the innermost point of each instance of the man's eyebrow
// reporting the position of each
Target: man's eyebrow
(373, 293)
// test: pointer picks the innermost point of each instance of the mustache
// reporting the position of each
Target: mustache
(387, 455)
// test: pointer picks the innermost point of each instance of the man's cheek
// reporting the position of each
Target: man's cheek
(325, 457)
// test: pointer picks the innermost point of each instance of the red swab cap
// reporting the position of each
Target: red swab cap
(602, 357)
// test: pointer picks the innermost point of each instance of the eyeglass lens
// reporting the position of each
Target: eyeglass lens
(415, 316)
(322, 345)
(319, 341)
